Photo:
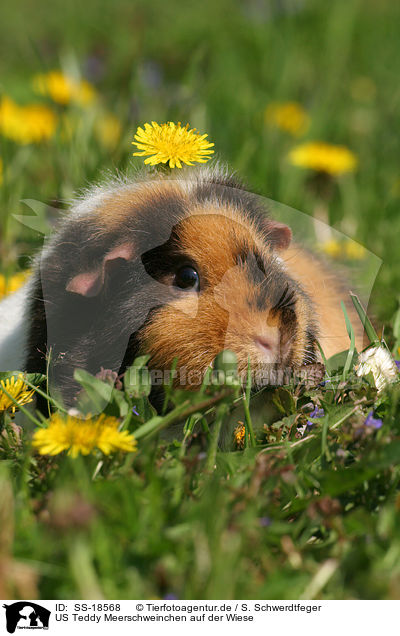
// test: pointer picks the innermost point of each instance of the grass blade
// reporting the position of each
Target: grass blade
(246, 407)
(352, 347)
(366, 323)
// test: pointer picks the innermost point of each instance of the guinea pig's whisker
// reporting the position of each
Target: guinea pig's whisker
(286, 300)
(291, 339)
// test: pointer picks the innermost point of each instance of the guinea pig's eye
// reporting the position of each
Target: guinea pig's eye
(187, 278)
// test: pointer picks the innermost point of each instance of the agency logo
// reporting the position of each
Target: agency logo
(26, 615)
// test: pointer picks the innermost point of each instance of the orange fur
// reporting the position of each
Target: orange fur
(196, 328)
(326, 291)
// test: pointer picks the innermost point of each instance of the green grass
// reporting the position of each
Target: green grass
(186, 516)
(193, 516)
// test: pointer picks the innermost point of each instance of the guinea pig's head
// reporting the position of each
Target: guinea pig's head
(228, 289)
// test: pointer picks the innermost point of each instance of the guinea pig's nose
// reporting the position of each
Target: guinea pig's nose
(265, 344)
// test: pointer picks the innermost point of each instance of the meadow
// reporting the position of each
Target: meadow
(301, 500)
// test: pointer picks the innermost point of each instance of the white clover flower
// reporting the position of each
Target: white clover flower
(378, 361)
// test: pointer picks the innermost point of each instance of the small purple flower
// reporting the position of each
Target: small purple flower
(374, 422)
(397, 363)
(170, 597)
(264, 522)
(134, 411)
(316, 412)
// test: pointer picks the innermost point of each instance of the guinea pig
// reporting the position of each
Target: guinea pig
(177, 267)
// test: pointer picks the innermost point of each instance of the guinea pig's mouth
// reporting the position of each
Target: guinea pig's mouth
(269, 359)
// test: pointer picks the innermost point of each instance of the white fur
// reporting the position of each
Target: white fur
(13, 330)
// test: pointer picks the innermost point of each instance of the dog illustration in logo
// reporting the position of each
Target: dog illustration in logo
(26, 614)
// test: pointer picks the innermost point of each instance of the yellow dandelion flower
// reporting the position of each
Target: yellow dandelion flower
(239, 435)
(40, 122)
(16, 387)
(354, 251)
(108, 130)
(332, 248)
(26, 124)
(9, 118)
(171, 143)
(10, 284)
(323, 157)
(288, 116)
(64, 89)
(349, 249)
(74, 435)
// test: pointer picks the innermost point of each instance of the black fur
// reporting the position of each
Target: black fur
(81, 332)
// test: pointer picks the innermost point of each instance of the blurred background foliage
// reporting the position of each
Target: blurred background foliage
(219, 66)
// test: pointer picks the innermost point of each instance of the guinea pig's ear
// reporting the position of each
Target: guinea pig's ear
(278, 234)
(90, 283)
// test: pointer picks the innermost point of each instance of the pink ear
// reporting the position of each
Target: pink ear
(279, 234)
(124, 251)
(90, 283)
